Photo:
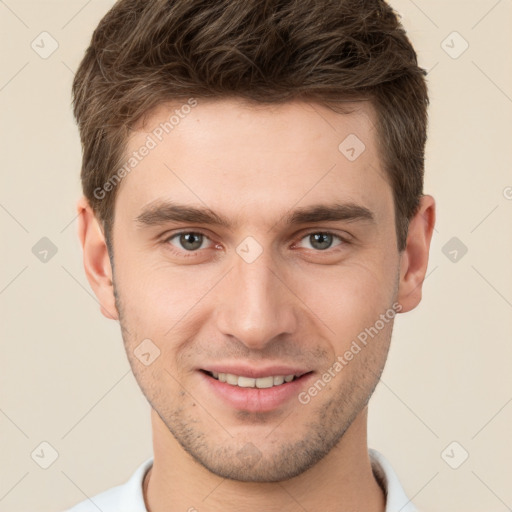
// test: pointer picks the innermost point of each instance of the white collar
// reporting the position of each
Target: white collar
(396, 499)
(129, 497)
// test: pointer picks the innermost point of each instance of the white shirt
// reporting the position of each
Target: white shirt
(129, 497)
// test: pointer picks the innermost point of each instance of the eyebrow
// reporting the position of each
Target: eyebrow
(161, 212)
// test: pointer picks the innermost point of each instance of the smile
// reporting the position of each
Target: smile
(250, 382)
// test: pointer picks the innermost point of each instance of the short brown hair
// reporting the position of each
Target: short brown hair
(147, 52)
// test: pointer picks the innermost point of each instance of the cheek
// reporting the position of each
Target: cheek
(159, 300)
(347, 298)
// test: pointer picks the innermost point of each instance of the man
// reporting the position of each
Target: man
(254, 217)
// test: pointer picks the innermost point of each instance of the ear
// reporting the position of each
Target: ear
(96, 260)
(414, 258)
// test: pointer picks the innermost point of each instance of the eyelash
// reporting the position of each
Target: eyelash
(188, 254)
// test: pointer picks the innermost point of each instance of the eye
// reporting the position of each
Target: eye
(322, 240)
(193, 241)
(189, 241)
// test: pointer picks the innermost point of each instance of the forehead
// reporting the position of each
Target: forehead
(257, 160)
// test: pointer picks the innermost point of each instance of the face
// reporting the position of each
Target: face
(292, 258)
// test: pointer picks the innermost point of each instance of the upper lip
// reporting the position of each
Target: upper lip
(255, 373)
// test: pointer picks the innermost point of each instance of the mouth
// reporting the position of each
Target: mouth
(254, 394)
(242, 381)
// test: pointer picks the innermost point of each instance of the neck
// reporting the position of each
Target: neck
(342, 481)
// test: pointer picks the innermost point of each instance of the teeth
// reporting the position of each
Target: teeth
(245, 382)
(231, 379)
(249, 382)
(262, 382)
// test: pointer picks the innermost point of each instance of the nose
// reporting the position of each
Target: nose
(255, 302)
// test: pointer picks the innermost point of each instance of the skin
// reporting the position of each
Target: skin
(296, 304)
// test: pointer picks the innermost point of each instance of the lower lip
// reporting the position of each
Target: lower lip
(256, 399)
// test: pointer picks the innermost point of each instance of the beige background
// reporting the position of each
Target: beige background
(64, 376)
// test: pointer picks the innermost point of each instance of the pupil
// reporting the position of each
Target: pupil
(323, 239)
(191, 238)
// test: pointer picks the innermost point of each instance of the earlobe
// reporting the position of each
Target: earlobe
(96, 259)
(414, 259)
